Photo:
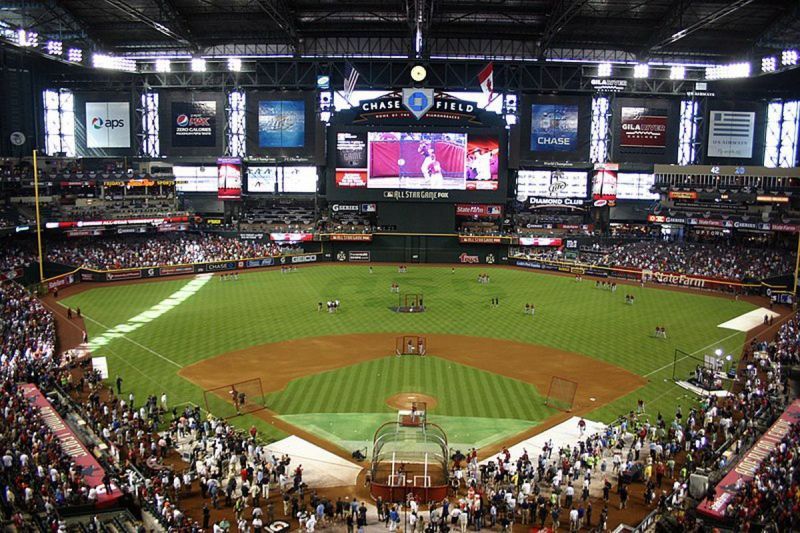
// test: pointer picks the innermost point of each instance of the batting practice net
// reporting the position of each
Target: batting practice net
(235, 399)
(561, 393)
(410, 345)
(409, 303)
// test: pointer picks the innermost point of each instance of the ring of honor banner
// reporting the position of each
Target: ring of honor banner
(194, 124)
(645, 130)
(555, 128)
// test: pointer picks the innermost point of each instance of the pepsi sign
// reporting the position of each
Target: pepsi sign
(194, 124)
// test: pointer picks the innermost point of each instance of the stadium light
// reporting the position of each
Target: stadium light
(55, 48)
(198, 64)
(113, 63)
(769, 64)
(234, 64)
(730, 71)
(27, 38)
(789, 58)
(163, 65)
(718, 352)
(75, 55)
(677, 72)
(604, 70)
(642, 70)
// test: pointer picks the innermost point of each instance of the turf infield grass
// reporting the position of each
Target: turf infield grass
(268, 306)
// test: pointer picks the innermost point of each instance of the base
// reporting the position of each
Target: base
(408, 309)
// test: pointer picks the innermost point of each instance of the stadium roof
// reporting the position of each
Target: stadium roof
(669, 30)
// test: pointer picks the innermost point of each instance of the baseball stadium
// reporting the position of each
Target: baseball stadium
(274, 266)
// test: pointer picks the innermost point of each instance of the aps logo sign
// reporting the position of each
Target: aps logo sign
(100, 123)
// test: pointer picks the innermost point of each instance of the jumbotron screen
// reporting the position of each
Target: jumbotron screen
(417, 161)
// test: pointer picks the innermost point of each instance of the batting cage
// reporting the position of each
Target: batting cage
(561, 393)
(410, 458)
(235, 399)
(409, 303)
(410, 345)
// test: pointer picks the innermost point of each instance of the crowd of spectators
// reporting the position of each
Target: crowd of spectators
(556, 488)
(719, 260)
(116, 252)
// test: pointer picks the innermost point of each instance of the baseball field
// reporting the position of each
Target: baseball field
(334, 377)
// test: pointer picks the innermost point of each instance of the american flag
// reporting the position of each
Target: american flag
(732, 124)
(350, 79)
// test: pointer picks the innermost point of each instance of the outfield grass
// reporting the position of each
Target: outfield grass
(269, 306)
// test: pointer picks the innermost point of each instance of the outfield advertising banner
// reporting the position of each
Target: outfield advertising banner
(554, 127)
(479, 210)
(358, 256)
(643, 127)
(351, 237)
(194, 124)
(120, 276)
(479, 239)
(108, 125)
(291, 237)
(176, 270)
(281, 123)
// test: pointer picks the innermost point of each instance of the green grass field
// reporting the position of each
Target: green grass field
(268, 306)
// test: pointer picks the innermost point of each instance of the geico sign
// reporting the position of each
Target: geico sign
(304, 258)
(110, 123)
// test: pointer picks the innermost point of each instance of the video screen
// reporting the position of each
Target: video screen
(195, 179)
(264, 179)
(634, 186)
(229, 178)
(554, 127)
(551, 184)
(417, 160)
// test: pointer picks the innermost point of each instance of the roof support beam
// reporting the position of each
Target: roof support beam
(279, 12)
(770, 37)
(668, 36)
(562, 12)
(419, 14)
(70, 27)
(134, 13)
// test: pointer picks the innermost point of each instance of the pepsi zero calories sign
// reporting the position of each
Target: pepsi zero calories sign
(108, 125)
(194, 124)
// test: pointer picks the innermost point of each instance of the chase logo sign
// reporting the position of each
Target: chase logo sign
(418, 101)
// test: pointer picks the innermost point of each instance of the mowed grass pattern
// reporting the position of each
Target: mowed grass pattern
(459, 390)
(269, 306)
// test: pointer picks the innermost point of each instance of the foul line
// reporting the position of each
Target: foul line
(691, 354)
(781, 321)
(122, 336)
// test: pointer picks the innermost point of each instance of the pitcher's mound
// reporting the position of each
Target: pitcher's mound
(404, 400)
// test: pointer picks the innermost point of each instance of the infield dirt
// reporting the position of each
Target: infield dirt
(279, 363)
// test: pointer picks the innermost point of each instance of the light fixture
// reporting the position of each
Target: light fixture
(718, 352)
(27, 38)
(789, 58)
(55, 48)
(604, 70)
(730, 71)
(198, 64)
(163, 65)
(769, 64)
(642, 70)
(677, 72)
(234, 64)
(75, 55)
(113, 63)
